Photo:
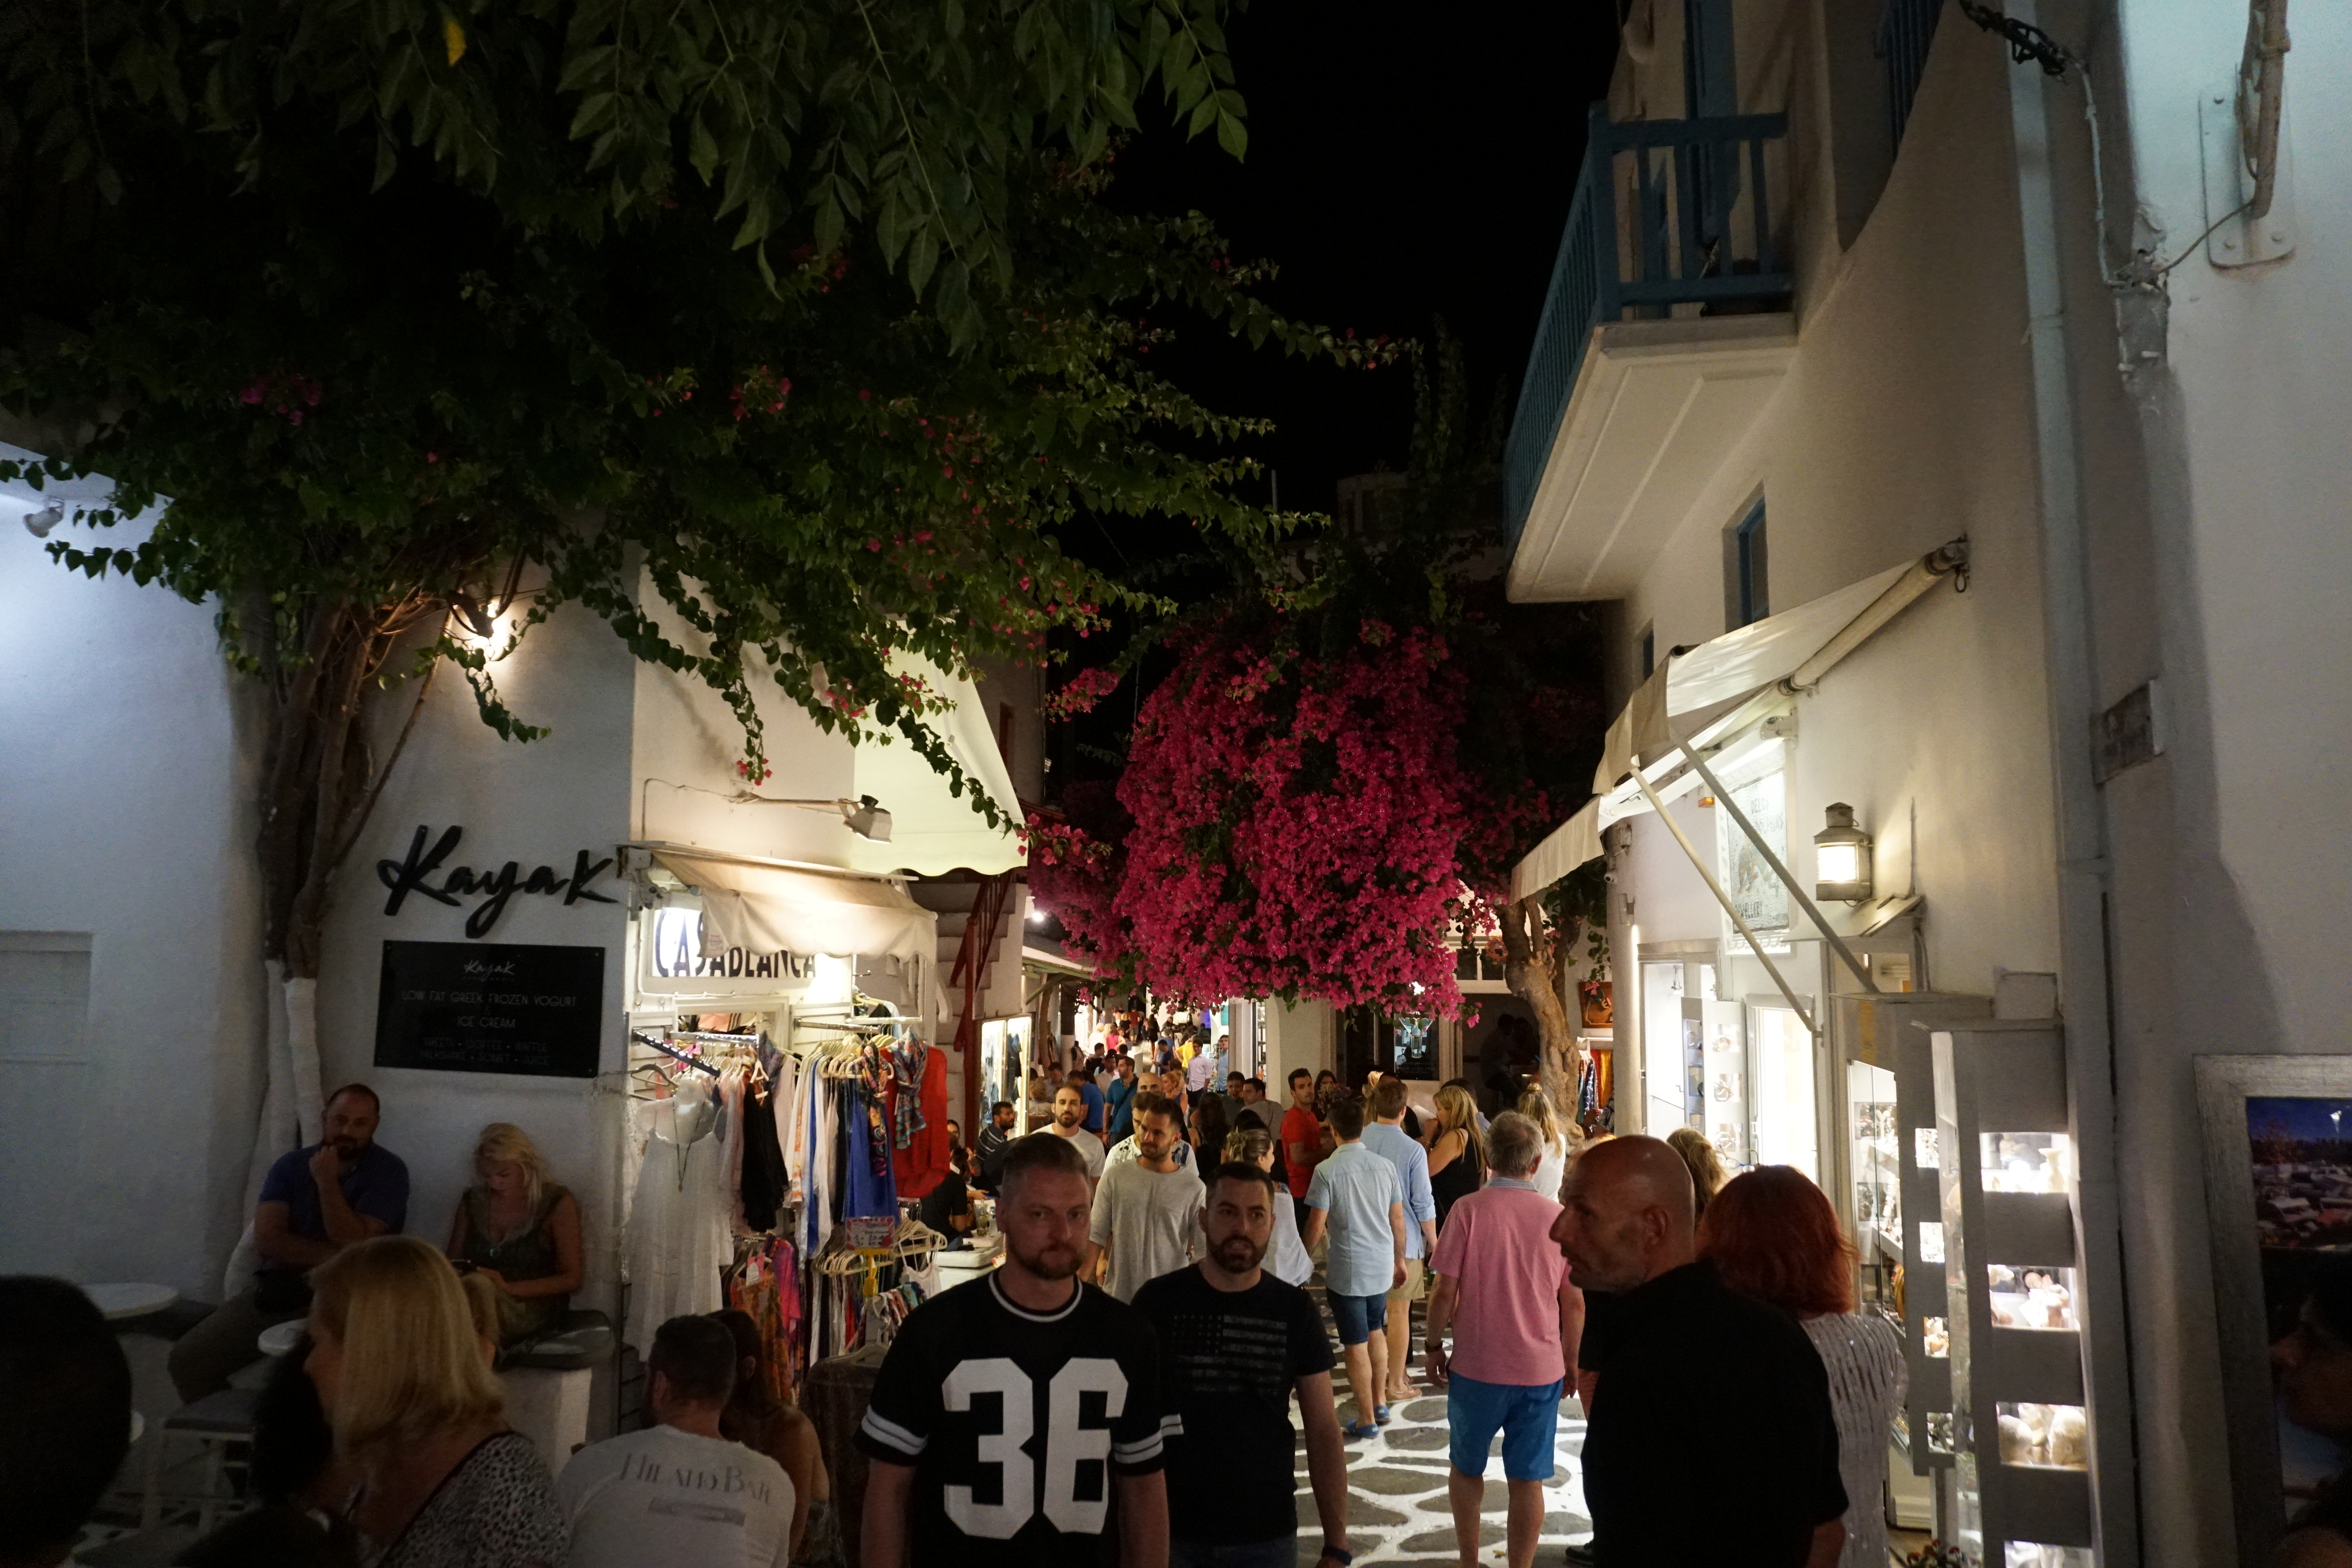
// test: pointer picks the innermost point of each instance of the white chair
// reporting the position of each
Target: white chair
(216, 1424)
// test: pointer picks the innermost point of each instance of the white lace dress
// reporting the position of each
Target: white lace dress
(1864, 1356)
(679, 1223)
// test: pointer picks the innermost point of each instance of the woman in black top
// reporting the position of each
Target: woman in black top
(1457, 1159)
(946, 1207)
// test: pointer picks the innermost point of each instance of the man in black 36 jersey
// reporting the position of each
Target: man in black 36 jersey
(1016, 1422)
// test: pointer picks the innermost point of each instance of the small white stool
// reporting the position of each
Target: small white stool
(551, 1408)
(215, 1423)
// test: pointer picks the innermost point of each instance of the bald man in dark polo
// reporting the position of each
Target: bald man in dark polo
(1676, 1350)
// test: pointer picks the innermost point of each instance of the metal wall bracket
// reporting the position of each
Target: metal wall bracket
(2235, 240)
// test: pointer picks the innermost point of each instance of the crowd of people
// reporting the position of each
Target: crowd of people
(1121, 1386)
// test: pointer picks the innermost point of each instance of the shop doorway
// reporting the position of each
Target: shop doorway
(1372, 1042)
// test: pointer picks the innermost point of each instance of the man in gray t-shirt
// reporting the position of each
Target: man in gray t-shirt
(1146, 1210)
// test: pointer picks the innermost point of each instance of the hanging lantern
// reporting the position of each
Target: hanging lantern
(1841, 859)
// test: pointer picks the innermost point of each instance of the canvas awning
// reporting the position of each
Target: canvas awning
(932, 831)
(771, 909)
(1707, 693)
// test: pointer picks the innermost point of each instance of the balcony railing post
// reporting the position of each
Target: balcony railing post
(1599, 184)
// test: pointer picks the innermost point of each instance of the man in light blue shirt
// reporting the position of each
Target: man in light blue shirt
(1356, 1196)
(1387, 1138)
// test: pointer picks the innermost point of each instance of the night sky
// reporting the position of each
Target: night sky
(1406, 162)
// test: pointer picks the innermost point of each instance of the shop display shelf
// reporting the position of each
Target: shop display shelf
(2011, 1271)
(1888, 1032)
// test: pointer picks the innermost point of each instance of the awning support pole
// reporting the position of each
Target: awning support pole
(1724, 898)
(1723, 798)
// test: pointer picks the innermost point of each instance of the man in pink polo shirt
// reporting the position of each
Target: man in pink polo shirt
(1504, 1290)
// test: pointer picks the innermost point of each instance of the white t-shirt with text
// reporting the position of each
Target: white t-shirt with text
(666, 1498)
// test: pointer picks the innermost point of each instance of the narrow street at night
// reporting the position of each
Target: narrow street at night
(1175, 784)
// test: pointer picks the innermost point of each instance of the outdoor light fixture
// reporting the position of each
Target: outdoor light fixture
(479, 621)
(38, 524)
(864, 816)
(1841, 859)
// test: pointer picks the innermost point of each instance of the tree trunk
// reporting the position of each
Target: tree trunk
(1531, 965)
(319, 782)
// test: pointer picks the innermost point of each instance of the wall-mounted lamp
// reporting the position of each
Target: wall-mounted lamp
(864, 816)
(476, 619)
(38, 524)
(1841, 859)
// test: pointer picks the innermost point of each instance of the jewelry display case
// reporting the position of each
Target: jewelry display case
(1891, 1197)
(2005, 1190)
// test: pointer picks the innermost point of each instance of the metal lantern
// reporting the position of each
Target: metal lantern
(1841, 859)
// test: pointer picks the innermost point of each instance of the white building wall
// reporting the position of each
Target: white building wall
(537, 804)
(1904, 423)
(126, 812)
(2229, 849)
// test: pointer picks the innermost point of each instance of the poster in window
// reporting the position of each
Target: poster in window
(1760, 895)
(2279, 1188)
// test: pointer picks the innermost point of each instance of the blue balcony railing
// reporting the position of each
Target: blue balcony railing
(1906, 28)
(1666, 212)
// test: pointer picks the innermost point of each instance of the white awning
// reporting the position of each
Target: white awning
(768, 909)
(1706, 694)
(1724, 669)
(1568, 846)
(932, 831)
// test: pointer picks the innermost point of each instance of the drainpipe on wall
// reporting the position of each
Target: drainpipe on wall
(2082, 869)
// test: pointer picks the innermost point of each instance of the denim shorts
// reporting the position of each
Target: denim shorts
(1358, 1317)
(1528, 1414)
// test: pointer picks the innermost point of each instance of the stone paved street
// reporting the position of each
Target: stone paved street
(1397, 1511)
(1397, 1508)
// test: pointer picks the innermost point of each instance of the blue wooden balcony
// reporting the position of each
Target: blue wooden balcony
(1666, 212)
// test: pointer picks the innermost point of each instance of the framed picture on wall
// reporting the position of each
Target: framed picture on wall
(2278, 1189)
(1754, 888)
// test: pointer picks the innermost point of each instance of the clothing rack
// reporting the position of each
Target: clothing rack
(674, 1055)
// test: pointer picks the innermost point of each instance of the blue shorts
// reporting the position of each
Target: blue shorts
(1528, 1414)
(1358, 1317)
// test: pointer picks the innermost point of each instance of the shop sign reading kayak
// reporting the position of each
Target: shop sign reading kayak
(674, 961)
(493, 887)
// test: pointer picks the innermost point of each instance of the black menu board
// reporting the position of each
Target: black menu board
(473, 1007)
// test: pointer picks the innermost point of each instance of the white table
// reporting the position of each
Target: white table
(279, 1338)
(119, 1302)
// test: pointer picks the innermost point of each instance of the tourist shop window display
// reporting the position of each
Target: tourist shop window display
(1893, 1172)
(2005, 1187)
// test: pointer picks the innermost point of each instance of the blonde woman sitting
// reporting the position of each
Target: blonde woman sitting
(521, 1231)
(418, 1417)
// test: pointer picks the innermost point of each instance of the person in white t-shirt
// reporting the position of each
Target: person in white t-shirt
(1069, 1125)
(678, 1493)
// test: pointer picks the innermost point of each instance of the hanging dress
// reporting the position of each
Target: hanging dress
(678, 1225)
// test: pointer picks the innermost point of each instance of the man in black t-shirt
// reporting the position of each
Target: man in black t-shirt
(1016, 1421)
(1234, 1343)
(1676, 1346)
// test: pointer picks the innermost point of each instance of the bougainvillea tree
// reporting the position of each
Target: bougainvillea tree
(806, 318)
(1334, 781)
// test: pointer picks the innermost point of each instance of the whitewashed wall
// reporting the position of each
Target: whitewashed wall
(126, 813)
(1902, 425)
(2229, 849)
(538, 804)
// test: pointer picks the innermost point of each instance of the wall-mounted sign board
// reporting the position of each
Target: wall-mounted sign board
(473, 1007)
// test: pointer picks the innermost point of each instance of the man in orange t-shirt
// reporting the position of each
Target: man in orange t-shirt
(1302, 1138)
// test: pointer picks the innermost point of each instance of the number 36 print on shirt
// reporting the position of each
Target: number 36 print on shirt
(1014, 1422)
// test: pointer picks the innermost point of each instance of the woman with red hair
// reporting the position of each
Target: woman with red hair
(1772, 1234)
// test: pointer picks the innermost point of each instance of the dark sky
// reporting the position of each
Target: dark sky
(1406, 162)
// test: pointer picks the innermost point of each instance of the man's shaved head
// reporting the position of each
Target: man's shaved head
(1627, 1214)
